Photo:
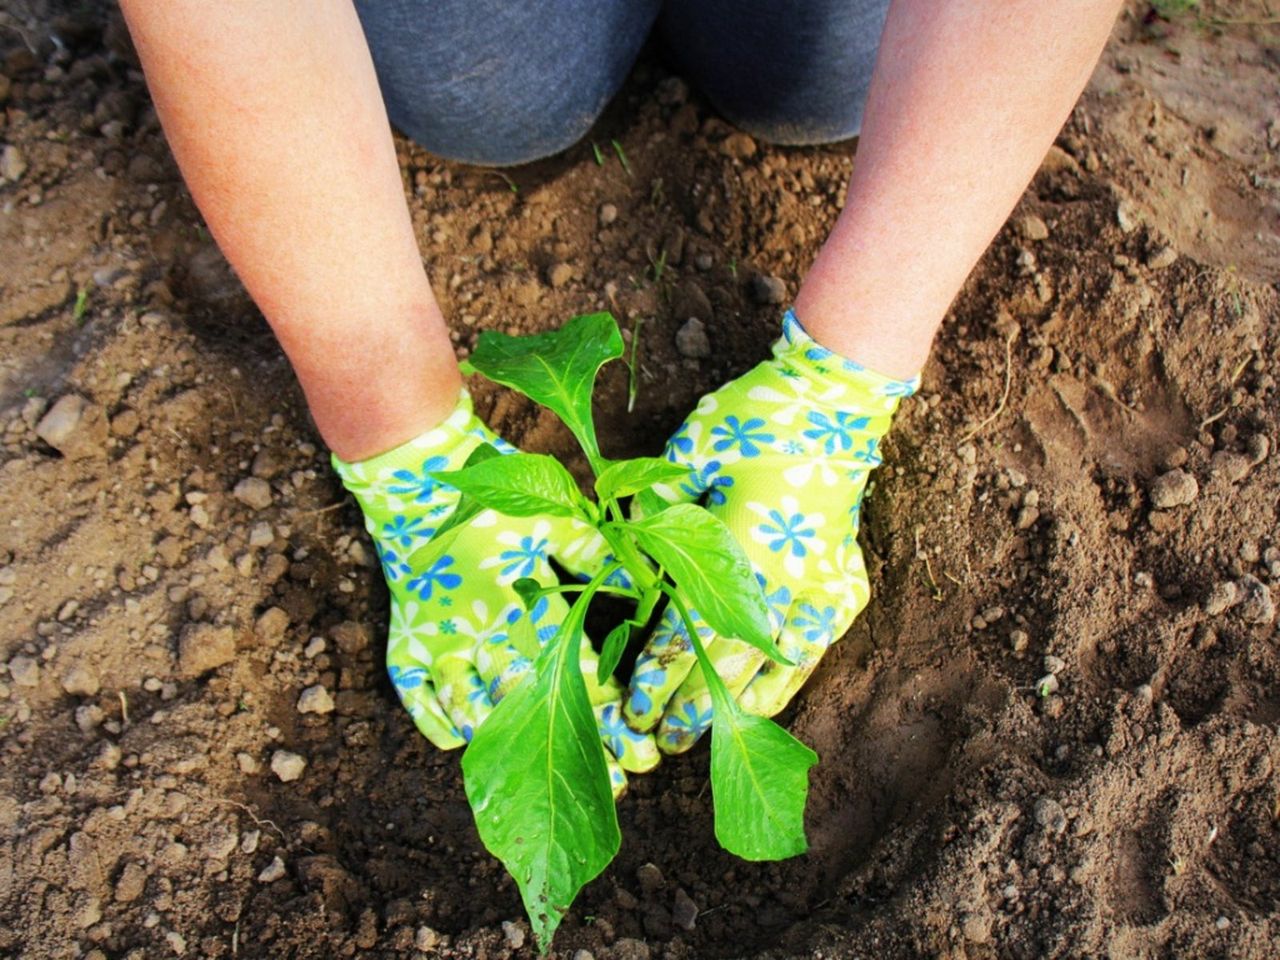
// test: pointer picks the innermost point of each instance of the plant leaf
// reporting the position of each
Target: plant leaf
(466, 510)
(615, 644)
(759, 774)
(556, 369)
(711, 572)
(626, 477)
(759, 783)
(536, 780)
(520, 485)
(647, 503)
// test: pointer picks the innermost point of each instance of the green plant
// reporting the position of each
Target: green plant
(535, 771)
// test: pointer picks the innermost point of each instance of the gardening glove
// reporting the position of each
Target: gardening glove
(781, 455)
(451, 650)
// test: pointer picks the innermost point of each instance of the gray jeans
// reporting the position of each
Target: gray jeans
(502, 82)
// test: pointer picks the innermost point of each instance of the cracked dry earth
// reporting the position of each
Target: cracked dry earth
(1053, 734)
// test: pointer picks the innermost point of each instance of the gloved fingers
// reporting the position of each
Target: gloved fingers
(661, 667)
(810, 628)
(635, 751)
(463, 695)
(418, 694)
(689, 713)
(617, 778)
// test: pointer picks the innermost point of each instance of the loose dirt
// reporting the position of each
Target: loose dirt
(1053, 734)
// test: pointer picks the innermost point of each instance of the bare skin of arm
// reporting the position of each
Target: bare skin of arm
(965, 100)
(273, 112)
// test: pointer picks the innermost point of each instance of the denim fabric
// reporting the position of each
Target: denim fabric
(500, 82)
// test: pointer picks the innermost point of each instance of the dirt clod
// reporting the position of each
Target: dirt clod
(1176, 488)
(253, 492)
(203, 647)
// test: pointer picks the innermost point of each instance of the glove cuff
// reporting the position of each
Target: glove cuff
(800, 352)
(444, 447)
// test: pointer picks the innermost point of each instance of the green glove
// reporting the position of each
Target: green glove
(781, 455)
(451, 650)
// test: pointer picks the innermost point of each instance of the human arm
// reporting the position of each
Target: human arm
(273, 113)
(965, 101)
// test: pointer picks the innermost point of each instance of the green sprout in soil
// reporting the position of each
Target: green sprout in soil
(595, 150)
(622, 156)
(535, 772)
(81, 304)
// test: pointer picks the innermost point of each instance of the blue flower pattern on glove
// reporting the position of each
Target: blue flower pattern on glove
(524, 560)
(834, 432)
(744, 435)
(789, 532)
(421, 485)
(435, 575)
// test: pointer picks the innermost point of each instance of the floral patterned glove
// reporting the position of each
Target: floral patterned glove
(451, 652)
(781, 455)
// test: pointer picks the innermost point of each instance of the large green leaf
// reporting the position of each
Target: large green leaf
(710, 570)
(557, 369)
(537, 782)
(466, 510)
(759, 775)
(625, 477)
(521, 485)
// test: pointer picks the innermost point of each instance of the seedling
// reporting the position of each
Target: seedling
(535, 772)
(622, 156)
(81, 304)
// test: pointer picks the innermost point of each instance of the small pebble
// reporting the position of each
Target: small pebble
(1256, 604)
(767, 289)
(288, 766)
(254, 492)
(272, 872)
(12, 163)
(1050, 815)
(692, 341)
(1222, 597)
(559, 274)
(1033, 228)
(513, 933)
(1054, 665)
(24, 671)
(1177, 488)
(1161, 258)
(684, 912)
(608, 214)
(79, 681)
(425, 939)
(315, 699)
(1047, 685)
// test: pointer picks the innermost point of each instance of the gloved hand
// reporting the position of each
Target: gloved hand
(782, 455)
(451, 652)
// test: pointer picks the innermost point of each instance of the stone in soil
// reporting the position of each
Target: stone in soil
(559, 274)
(253, 492)
(768, 290)
(73, 427)
(287, 765)
(315, 699)
(684, 912)
(12, 164)
(692, 340)
(1033, 228)
(271, 625)
(204, 647)
(1256, 603)
(1050, 815)
(608, 214)
(80, 681)
(1222, 597)
(1176, 488)
(739, 146)
(24, 671)
(272, 872)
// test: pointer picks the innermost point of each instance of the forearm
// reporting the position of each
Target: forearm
(965, 100)
(273, 112)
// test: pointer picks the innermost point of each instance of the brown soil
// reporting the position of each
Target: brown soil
(960, 810)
